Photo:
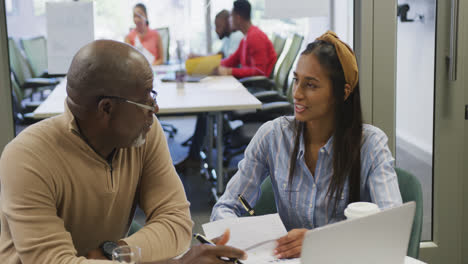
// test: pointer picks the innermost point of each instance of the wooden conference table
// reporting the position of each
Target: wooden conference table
(213, 94)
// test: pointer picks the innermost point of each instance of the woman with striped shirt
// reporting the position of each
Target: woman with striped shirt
(322, 158)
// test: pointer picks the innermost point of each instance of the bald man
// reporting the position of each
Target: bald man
(229, 37)
(70, 184)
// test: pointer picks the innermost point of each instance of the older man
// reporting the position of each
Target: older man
(70, 184)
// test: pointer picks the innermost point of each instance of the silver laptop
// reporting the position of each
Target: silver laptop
(379, 238)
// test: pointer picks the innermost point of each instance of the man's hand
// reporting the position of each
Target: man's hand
(192, 56)
(221, 70)
(290, 245)
(213, 254)
(223, 239)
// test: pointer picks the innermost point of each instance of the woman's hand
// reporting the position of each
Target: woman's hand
(290, 245)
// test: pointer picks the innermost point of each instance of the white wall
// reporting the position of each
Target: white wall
(24, 23)
(415, 79)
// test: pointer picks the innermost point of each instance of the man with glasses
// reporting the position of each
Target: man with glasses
(70, 184)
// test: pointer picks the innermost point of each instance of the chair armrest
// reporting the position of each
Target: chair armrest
(258, 81)
(270, 96)
(268, 112)
(253, 78)
(46, 74)
(276, 107)
(40, 82)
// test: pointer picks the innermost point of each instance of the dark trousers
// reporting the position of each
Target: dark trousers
(198, 136)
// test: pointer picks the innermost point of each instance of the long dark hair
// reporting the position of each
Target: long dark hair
(143, 7)
(348, 128)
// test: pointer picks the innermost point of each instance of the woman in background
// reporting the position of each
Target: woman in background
(147, 41)
(322, 158)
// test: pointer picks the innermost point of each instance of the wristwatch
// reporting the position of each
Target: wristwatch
(107, 247)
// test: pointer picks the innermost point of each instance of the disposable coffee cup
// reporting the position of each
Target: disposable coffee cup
(360, 209)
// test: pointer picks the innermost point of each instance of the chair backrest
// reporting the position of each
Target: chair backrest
(278, 44)
(16, 89)
(35, 50)
(266, 202)
(18, 63)
(410, 189)
(165, 38)
(281, 78)
(289, 92)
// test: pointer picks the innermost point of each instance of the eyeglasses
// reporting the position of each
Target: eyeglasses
(151, 107)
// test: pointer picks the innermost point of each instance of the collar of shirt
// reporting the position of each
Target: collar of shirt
(328, 146)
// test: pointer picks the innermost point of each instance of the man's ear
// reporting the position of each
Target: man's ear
(105, 108)
(347, 91)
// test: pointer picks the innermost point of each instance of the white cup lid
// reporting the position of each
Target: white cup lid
(360, 209)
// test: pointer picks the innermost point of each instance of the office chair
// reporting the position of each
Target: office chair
(165, 38)
(278, 44)
(263, 87)
(276, 102)
(410, 190)
(22, 72)
(22, 108)
(266, 202)
(35, 50)
(237, 140)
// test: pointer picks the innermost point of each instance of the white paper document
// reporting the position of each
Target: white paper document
(256, 235)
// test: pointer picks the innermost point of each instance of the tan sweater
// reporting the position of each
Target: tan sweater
(59, 199)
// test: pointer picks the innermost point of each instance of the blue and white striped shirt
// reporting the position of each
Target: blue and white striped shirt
(304, 204)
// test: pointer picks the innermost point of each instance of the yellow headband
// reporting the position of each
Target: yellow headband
(346, 57)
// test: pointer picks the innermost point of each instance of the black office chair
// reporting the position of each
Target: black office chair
(263, 87)
(236, 141)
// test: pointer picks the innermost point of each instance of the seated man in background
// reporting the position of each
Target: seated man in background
(231, 40)
(70, 184)
(255, 54)
(229, 37)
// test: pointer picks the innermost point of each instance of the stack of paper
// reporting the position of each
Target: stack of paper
(202, 65)
(256, 235)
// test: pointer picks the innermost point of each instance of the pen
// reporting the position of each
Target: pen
(246, 205)
(205, 240)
